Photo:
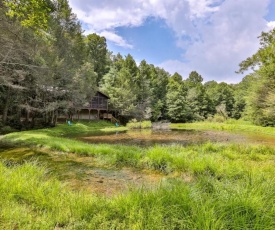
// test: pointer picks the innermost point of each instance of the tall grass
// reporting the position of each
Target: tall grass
(31, 199)
(208, 186)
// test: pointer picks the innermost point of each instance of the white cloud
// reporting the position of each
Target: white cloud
(106, 15)
(221, 33)
(229, 37)
(118, 40)
(200, 8)
(271, 25)
(173, 66)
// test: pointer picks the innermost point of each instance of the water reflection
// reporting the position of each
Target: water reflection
(167, 137)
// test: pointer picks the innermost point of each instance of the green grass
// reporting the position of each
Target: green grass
(208, 186)
(31, 199)
(230, 125)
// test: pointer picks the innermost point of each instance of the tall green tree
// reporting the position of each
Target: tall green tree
(177, 107)
(143, 91)
(197, 98)
(118, 85)
(158, 84)
(221, 95)
(260, 102)
(98, 54)
(30, 13)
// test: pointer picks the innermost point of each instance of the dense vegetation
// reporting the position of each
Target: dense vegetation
(208, 186)
(48, 67)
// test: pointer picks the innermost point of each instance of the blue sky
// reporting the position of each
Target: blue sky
(153, 41)
(209, 36)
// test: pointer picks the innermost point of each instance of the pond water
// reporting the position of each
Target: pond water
(170, 137)
(85, 173)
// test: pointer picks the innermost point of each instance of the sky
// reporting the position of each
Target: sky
(208, 36)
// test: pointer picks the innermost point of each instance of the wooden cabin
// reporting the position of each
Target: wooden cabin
(95, 108)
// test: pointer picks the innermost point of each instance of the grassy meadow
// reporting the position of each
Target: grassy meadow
(206, 186)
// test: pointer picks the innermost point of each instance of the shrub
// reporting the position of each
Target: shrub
(134, 124)
(146, 124)
(7, 129)
(216, 118)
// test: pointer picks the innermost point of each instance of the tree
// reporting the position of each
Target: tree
(194, 79)
(30, 13)
(241, 92)
(18, 66)
(97, 53)
(260, 106)
(158, 84)
(177, 108)
(130, 64)
(118, 85)
(220, 94)
(197, 98)
(143, 91)
(177, 77)
(43, 73)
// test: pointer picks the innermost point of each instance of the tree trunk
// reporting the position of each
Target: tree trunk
(6, 109)
(5, 113)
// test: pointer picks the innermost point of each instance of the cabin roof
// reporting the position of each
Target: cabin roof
(103, 94)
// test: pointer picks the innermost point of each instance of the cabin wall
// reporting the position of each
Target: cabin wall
(99, 102)
(92, 110)
(84, 115)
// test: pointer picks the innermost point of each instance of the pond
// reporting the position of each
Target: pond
(171, 137)
(86, 173)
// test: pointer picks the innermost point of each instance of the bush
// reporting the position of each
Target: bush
(134, 124)
(146, 124)
(6, 130)
(216, 118)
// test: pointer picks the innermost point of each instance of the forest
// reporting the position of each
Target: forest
(48, 66)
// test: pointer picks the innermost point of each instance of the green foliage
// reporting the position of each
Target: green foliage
(194, 79)
(134, 124)
(177, 107)
(97, 54)
(31, 13)
(261, 99)
(118, 85)
(6, 129)
(216, 118)
(146, 124)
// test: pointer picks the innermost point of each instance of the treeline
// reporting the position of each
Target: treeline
(48, 67)
(148, 92)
